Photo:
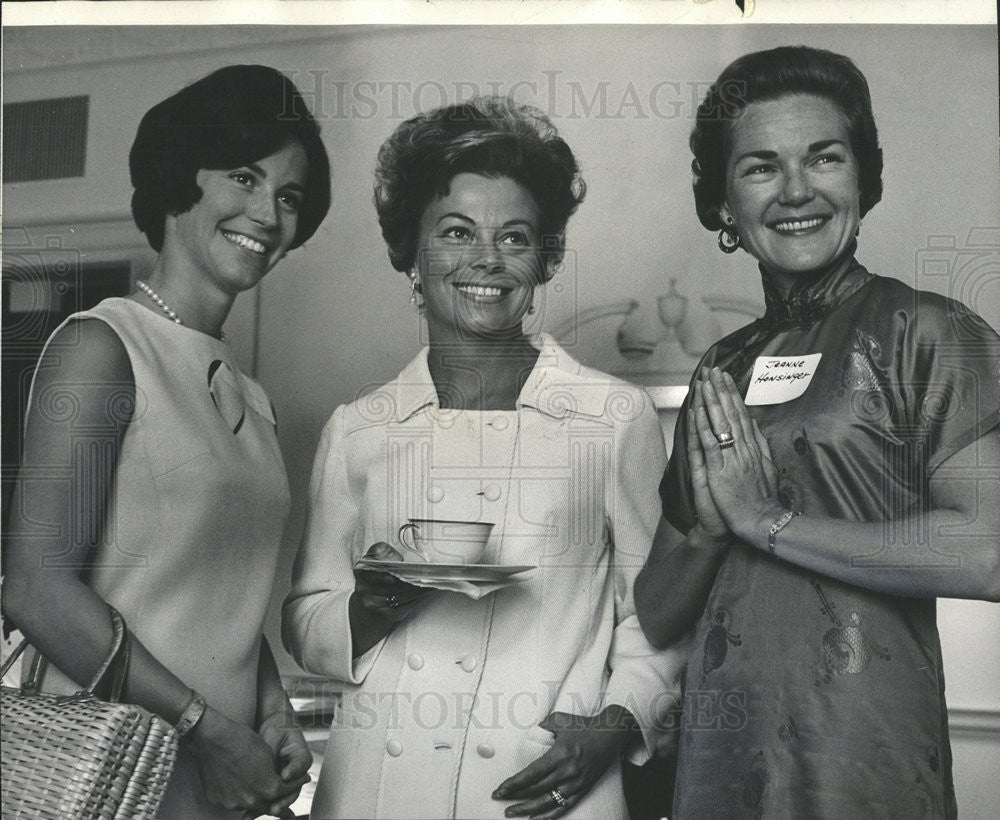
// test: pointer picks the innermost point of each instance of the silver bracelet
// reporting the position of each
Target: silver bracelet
(191, 715)
(777, 526)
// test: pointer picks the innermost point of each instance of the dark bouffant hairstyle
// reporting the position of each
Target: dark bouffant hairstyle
(232, 117)
(768, 75)
(491, 136)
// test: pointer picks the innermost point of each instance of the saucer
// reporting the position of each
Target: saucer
(405, 570)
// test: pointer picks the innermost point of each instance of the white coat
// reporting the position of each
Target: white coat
(438, 714)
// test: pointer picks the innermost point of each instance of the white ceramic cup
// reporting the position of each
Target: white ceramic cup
(445, 542)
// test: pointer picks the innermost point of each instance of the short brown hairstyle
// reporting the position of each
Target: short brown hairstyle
(768, 75)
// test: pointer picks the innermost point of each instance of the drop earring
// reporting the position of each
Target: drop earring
(729, 239)
(413, 287)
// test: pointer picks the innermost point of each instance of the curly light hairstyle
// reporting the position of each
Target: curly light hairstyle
(490, 136)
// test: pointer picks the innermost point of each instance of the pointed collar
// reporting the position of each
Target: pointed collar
(553, 387)
(811, 298)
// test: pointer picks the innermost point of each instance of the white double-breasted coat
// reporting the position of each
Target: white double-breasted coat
(438, 714)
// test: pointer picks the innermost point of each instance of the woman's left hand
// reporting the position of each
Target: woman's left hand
(742, 477)
(584, 748)
(291, 754)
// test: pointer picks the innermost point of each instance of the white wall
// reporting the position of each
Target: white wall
(334, 316)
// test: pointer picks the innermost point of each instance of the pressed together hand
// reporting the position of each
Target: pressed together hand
(741, 479)
(709, 519)
(584, 748)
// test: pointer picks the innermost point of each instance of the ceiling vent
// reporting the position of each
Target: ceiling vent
(45, 139)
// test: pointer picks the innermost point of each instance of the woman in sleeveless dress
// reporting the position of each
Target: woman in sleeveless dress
(151, 478)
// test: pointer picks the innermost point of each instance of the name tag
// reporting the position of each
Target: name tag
(777, 379)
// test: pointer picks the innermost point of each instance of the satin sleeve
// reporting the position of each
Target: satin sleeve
(948, 376)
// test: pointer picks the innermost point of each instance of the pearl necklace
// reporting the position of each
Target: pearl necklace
(155, 298)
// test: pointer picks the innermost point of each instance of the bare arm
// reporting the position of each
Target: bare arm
(954, 549)
(673, 586)
(957, 549)
(78, 417)
(70, 455)
(671, 590)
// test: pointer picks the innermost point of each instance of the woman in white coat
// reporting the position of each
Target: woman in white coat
(520, 702)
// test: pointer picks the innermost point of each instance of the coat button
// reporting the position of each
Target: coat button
(499, 423)
(394, 747)
(468, 663)
(435, 494)
(492, 492)
(485, 750)
(415, 661)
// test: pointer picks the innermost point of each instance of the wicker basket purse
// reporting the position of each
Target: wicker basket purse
(80, 757)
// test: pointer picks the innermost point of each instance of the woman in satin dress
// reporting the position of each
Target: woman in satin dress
(833, 473)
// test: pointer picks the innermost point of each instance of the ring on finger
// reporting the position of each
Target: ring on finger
(725, 440)
(559, 797)
(391, 601)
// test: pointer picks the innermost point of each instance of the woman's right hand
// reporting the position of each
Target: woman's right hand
(709, 519)
(380, 600)
(743, 479)
(238, 768)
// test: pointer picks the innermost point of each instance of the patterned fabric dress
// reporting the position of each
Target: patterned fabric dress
(806, 696)
(195, 523)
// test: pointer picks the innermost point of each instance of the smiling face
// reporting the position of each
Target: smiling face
(478, 255)
(792, 185)
(245, 220)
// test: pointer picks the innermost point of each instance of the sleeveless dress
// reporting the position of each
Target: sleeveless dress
(193, 529)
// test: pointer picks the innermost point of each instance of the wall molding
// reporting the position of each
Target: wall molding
(89, 241)
(979, 723)
(47, 48)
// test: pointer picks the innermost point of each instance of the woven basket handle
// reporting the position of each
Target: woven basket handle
(120, 646)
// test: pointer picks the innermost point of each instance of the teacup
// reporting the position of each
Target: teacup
(445, 542)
